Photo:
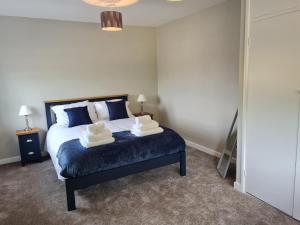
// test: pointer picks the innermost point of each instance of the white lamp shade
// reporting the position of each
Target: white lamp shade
(141, 98)
(25, 111)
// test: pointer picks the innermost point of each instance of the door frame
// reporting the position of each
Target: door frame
(240, 183)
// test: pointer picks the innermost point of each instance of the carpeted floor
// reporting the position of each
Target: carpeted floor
(34, 195)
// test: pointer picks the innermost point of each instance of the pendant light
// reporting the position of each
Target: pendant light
(111, 21)
(111, 3)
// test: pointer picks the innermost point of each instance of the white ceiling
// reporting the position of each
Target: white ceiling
(144, 13)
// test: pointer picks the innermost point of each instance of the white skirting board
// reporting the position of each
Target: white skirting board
(203, 148)
(10, 160)
(206, 150)
(237, 186)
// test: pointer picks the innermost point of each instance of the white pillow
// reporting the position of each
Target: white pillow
(62, 117)
(102, 110)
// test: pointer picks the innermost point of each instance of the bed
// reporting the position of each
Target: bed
(80, 168)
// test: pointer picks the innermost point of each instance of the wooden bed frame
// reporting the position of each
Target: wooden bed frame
(73, 184)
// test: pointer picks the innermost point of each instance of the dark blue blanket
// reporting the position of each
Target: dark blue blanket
(76, 161)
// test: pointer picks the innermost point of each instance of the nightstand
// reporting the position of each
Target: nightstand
(29, 144)
(143, 114)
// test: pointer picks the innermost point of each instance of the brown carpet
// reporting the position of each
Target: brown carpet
(33, 195)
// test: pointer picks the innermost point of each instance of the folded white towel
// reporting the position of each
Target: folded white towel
(143, 119)
(143, 127)
(86, 144)
(95, 128)
(97, 137)
(140, 133)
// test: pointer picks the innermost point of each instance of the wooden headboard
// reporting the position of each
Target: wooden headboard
(48, 104)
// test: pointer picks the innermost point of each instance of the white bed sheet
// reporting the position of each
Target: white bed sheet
(57, 135)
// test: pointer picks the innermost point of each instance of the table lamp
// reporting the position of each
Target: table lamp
(25, 111)
(142, 99)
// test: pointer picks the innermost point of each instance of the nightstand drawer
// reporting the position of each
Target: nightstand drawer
(30, 147)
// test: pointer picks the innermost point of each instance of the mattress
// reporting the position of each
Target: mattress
(77, 161)
(72, 160)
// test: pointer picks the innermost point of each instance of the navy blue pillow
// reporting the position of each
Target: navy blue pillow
(78, 116)
(117, 110)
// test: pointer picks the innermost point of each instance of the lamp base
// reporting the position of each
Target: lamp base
(142, 108)
(28, 128)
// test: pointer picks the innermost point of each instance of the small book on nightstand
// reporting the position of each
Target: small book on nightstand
(29, 145)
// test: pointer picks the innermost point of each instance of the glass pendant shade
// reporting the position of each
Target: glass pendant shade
(111, 3)
(111, 21)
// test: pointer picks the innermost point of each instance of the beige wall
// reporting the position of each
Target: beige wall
(198, 64)
(197, 77)
(43, 60)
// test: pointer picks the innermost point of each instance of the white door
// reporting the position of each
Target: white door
(273, 109)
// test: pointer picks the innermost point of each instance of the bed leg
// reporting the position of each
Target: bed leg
(70, 197)
(182, 164)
